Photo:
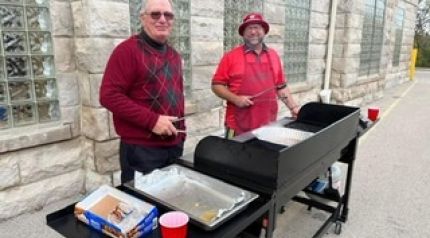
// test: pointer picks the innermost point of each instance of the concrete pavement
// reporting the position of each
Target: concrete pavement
(390, 190)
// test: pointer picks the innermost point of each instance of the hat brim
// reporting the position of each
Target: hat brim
(257, 21)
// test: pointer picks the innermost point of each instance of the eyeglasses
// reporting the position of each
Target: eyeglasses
(254, 28)
(157, 15)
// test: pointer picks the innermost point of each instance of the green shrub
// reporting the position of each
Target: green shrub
(423, 58)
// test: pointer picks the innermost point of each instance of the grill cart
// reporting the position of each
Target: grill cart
(260, 162)
(275, 162)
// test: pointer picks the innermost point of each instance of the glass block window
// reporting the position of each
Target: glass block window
(398, 26)
(372, 37)
(180, 37)
(234, 11)
(28, 88)
(297, 16)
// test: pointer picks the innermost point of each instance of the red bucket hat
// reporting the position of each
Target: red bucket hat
(253, 18)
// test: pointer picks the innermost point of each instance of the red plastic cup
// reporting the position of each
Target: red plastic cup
(373, 113)
(174, 224)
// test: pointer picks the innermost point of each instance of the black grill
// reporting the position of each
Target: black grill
(277, 171)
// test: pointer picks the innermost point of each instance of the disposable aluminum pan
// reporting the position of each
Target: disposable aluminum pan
(281, 135)
(208, 201)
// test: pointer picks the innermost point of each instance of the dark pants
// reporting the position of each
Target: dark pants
(145, 159)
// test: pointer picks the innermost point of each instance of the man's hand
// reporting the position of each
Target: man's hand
(243, 101)
(295, 111)
(239, 100)
(164, 126)
(285, 95)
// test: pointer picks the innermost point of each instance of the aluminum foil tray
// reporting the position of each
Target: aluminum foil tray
(281, 135)
(208, 201)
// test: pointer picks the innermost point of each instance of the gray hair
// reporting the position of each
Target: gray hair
(145, 6)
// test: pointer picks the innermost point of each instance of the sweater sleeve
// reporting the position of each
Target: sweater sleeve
(118, 77)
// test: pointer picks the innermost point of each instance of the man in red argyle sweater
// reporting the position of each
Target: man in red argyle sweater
(143, 88)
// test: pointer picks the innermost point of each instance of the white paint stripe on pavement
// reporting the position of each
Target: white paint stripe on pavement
(389, 109)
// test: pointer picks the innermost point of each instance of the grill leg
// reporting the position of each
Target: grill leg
(324, 228)
(333, 219)
(271, 220)
(345, 198)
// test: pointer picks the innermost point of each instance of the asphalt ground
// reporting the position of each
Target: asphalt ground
(390, 194)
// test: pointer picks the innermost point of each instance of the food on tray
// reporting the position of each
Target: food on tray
(207, 201)
(209, 215)
(116, 213)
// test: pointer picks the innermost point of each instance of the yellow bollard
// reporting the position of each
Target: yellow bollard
(413, 62)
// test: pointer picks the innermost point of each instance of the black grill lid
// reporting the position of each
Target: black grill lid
(265, 167)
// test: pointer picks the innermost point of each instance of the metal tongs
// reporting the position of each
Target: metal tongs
(181, 119)
(184, 117)
(263, 92)
(266, 91)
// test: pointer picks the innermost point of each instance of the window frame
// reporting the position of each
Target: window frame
(368, 64)
(295, 21)
(39, 64)
(398, 35)
(234, 11)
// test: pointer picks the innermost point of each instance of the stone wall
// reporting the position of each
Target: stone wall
(43, 163)
(207, 49)
(34, 177)
(350, 88)
(399, 74)
(48, 162)
(347, 86)
(99, 26)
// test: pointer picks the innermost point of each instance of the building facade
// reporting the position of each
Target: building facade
(56, 140)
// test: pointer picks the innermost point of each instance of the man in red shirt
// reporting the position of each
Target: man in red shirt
(143, 88)
(250, 77)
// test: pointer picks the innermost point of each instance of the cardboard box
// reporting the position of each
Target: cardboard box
(117, 214)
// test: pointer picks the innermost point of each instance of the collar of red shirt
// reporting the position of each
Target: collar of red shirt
(248, 49)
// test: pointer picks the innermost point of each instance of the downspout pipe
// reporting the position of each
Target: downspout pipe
(325, 93)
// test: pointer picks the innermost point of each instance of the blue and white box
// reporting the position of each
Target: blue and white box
(117, 214)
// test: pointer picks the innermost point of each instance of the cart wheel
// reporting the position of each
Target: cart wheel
(338, 228)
